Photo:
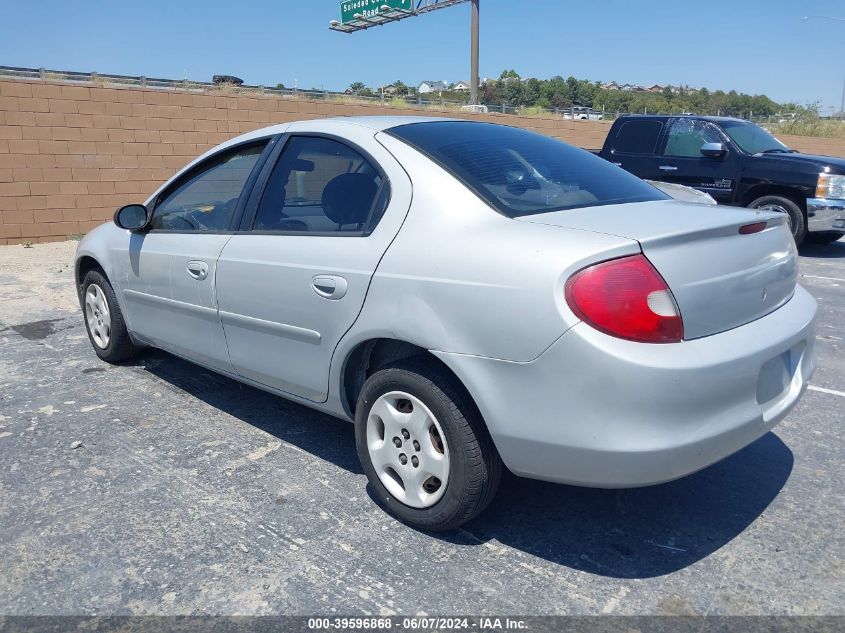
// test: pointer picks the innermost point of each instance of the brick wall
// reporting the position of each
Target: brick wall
(71, 154)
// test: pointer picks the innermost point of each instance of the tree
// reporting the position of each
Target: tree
(509, 74)
(357, 87)
(401, 88)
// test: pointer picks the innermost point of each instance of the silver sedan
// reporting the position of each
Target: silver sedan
(472, 296)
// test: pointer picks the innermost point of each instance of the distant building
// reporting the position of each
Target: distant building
(655, 88)
(611, 86)
(461, 86)
(432, 86)
(388, 90)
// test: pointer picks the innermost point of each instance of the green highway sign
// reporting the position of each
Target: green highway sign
(369, 8)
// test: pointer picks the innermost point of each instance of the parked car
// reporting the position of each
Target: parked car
(738, 163)
(581, 113)
(683, 193)
(473, 296)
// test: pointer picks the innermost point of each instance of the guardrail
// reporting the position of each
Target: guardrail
(407, 101)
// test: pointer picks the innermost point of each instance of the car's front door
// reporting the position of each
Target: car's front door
(682, 162)
(168, 275)
(294, 281)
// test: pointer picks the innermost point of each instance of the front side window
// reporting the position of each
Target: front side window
(687, 136)
(205, 200)
(522, 173)
(637, 137)
(320, 185)
(752, 138)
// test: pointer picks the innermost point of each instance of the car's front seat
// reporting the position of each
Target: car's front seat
(348, 198)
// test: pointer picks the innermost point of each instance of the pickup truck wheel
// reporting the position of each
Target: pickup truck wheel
(779, 204)
(104, 321)
(825, 237)
(424, 447)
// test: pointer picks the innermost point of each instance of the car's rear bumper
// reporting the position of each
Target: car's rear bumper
(599, 411)
(825, 214)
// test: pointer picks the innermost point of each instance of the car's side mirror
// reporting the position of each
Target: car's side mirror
(714, 150)
(132, 217)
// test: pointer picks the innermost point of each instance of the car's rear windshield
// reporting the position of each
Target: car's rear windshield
(523, 173)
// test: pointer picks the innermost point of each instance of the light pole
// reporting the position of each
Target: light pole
(473, 80)
(835, 19)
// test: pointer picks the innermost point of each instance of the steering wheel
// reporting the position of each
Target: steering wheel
(175, 218)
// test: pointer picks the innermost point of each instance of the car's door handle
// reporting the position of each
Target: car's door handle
(198, 270)
(329, 286)
(668, 168)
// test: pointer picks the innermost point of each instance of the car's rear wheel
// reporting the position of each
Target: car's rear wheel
(825, 237)
(424, 447)
(794, 215)
(104, 320)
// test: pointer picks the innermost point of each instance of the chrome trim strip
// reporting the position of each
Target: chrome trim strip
(283, 329)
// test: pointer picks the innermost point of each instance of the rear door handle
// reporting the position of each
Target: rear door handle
(668, 168)
(331, 287)
(198, 270)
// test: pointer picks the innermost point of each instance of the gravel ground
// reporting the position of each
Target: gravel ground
(159, 488)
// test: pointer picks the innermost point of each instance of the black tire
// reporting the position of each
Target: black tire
(120, 347)
(825, 237)
(475, 466)
(797, 221)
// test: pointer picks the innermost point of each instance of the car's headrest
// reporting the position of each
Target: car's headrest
(347, 198)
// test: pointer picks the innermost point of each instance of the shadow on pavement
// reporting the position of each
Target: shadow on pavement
(636, 533)
(823, 251)
(641, 532)
(321, 435)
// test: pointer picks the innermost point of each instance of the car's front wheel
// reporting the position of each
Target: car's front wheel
(104, 320)
(424, 447)
(793, 213)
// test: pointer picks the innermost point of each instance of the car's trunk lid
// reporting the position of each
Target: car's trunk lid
(720, 278)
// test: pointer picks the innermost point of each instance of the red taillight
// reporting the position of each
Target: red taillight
(627, 298)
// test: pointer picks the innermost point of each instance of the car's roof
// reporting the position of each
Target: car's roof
(683, 116)
(329, 125)
(386, 122)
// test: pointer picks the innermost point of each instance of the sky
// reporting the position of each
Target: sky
(759, 47)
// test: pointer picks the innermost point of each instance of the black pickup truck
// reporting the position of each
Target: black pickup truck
(737, 163)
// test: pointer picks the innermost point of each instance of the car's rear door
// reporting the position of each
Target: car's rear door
(168, 276)
(294, 279)
(634, 145)
(681, 160)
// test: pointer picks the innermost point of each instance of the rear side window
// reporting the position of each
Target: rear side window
(521, 173)
(320, 185)
(637, 137)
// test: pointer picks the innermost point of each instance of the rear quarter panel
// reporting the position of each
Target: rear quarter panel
(461, 278)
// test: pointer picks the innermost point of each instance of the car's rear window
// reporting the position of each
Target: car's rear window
(523, 173)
